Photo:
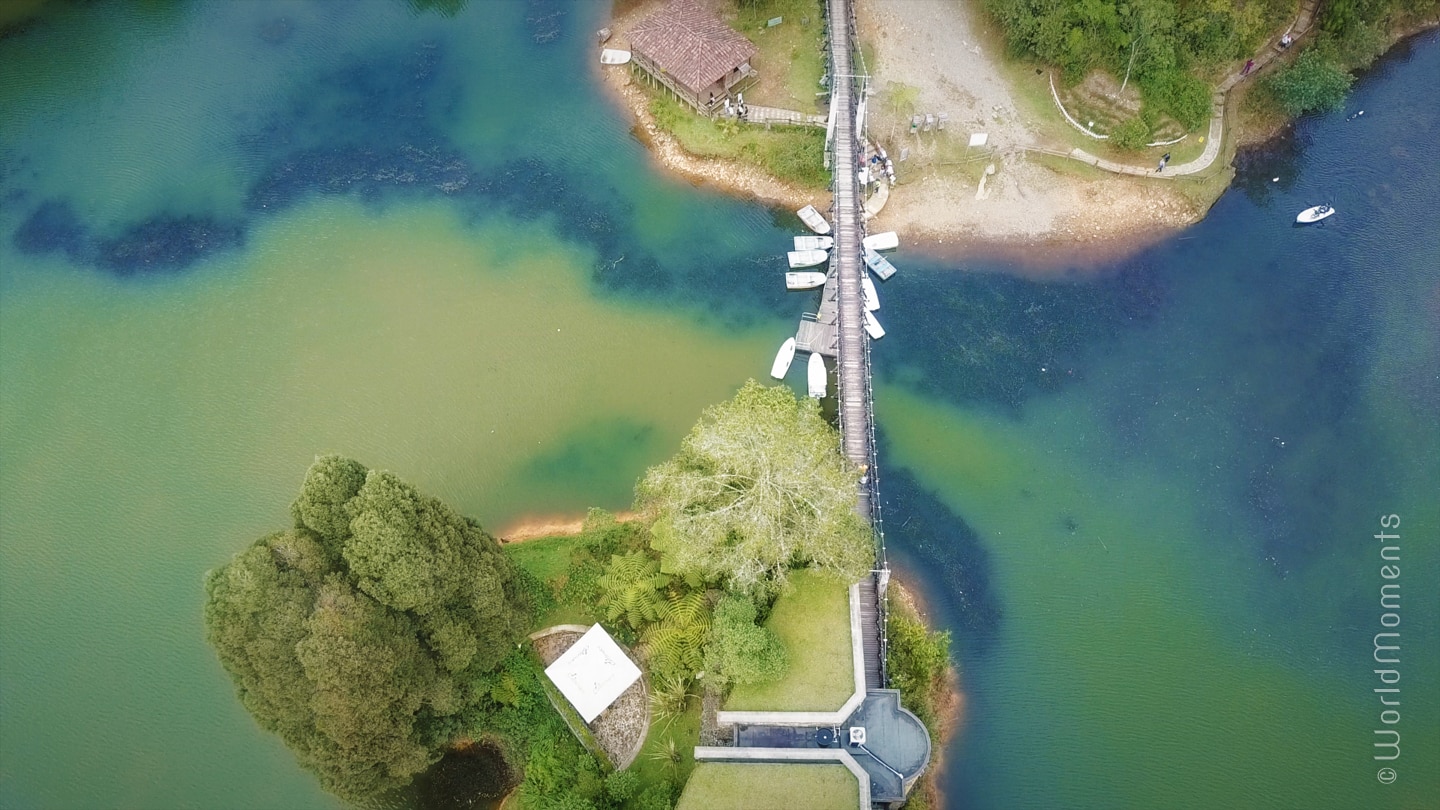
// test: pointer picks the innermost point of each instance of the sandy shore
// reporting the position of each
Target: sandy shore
(1026, 208)
(534, 527)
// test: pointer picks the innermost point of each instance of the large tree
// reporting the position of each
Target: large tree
(352, 634)
(759, 486)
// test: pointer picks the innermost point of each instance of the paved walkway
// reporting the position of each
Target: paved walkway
(1214, 138)
(755, 114)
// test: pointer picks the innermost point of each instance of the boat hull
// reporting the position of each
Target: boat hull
(867, 290)
(881, 241)
(1315, 214)
(610, 56)
(879, 265)
(814, 242)
(813, 220)
(873, 326)
(816, 376)
(783, 359)
(804, 281)
(807, 258)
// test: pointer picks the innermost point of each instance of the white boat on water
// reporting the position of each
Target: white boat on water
(881, 241)
(872, 298)
(783, 359)
(1315, 214)
(873, 326)
(610, 56)
(816, 375)
(813, 220)
(879, 265)
(804, 281)
(807, 258)
(814, 242)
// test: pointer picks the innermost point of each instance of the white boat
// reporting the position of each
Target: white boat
(782, 359)
(610, 56)
(881, 241)
(1315, 214)
(873, 326)
(813, 220)
(804, 281)
(872, 298)
(817, 375)
(814, 242)
(807, 258)
(879, 265)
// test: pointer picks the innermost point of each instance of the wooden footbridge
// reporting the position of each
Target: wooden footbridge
(838, 330)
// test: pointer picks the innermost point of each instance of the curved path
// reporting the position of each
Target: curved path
(1215, 136)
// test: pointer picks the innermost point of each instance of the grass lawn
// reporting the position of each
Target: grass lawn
(813, 620)
(789, 57)
(793, 154)
(767, 786)
(548, 558)
(656, 764)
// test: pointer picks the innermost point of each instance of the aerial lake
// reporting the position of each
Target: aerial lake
(1143, 497)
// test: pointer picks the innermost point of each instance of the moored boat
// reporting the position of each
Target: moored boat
(783, 358)
(1314, 214)
(873, 326)
(816, 375)
(611, 56)
(879, 265)
(804, 281)
(813, 220)
(807, 258)
(814, 242)
(881, 241)
(867, 290)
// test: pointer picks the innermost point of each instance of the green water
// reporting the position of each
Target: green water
(236, 235)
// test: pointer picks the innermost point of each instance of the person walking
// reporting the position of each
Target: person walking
(1163, 160)
(1249, 65)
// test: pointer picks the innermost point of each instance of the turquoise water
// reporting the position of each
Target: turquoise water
(235, 235)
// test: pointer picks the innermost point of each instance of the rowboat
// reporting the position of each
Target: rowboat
(873, 326)
(807, 258)
(782, 359)
(1315, 214)
(813, 220)
(879, 265)
(610, 56)
(804, 281)
(816, 375)
(881, 241)
(867, 290)
(814, 242)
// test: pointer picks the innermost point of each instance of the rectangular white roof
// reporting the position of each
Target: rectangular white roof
(593, 673)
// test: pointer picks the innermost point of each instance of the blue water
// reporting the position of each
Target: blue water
(1141, 497)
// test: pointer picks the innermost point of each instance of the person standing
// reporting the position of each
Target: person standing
(1249, 65)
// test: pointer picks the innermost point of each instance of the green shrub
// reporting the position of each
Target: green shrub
(1134, 133)
(1315, 81)
(739, 650)
(621, 785)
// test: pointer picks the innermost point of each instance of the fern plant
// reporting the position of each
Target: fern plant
(674, 645)
(632, 588)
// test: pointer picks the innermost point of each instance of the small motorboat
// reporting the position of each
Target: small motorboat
(813, 220)
(807, 258)
(783, 359)
(816, 375)
(872, 298)
(881, 241)
(804, 281)
(1314, 214)
(879, 265)
(873, 326)
(814, 242)
(610, 56)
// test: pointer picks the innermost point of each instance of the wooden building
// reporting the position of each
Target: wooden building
(694, 53)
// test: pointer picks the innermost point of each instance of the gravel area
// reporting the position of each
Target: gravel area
(620, 729)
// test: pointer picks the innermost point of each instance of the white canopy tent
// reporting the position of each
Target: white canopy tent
(593, 673)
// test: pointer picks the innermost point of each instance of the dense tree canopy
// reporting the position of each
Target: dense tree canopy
(354, 634)
(759, 485)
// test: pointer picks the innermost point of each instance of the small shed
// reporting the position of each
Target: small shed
(593, 673)
(691, 51)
